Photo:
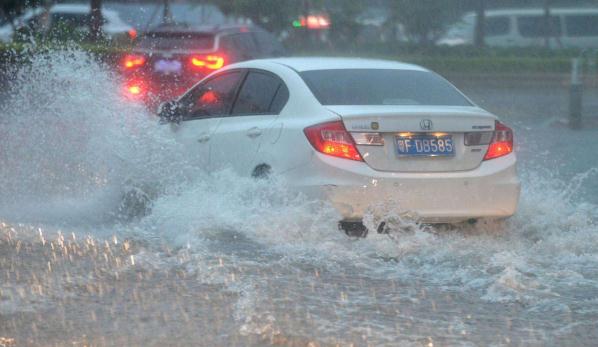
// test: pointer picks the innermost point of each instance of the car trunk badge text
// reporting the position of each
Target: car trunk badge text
(426, 124)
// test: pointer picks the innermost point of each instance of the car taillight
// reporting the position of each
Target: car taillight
(333, 139)
(502, 142)
(210, 62)
(135, 89)
(132, 61)
(132, 33)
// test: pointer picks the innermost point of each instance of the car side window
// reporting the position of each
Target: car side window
(496, 26)
(246, 46)
(268, 45)
(212, 98)
(533, 26)
(257, 94)
(280, 99)
(582, 25)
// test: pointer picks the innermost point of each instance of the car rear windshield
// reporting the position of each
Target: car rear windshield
(177, 41)
(381, 87)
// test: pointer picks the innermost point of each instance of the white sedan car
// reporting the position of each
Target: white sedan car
(354, 132)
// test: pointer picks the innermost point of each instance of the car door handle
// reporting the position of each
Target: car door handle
(203, 138)
(254, 132)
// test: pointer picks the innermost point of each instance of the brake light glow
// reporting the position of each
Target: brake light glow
(333, 139)
(211, 62)
(209, 98)
(135, 89)
(132, 33)
(313, 22)
(502, 142)
(132, 61)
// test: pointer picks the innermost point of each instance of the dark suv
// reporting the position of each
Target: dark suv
(169, 59)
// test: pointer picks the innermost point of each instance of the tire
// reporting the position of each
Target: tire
(261, 171)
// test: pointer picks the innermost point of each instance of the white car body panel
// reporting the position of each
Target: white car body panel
(453, 120)
(483, 189)
(196, 135)
(237, 141)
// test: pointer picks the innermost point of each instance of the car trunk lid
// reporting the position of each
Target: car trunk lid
(394, 123)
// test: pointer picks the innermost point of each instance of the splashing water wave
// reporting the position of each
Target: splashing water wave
(263, 263)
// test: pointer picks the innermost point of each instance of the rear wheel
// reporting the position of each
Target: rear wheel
(261, 171)
(353, 228)
(136, 202)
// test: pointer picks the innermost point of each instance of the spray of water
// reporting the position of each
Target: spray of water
(72, 147)
(71, 143)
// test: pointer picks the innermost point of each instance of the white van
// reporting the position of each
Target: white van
(570, 28)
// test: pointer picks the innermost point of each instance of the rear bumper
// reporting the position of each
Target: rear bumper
(354, 189)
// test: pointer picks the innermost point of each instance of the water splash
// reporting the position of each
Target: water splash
(71, 143)
(264, 263)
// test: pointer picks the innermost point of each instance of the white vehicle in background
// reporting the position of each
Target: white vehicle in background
(354, 132)
(76, 16)
(569, 28)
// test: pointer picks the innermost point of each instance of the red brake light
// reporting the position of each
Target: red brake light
(312, 22)
(132, 33)
(333, 139)
(132, 61)
(211, 62)
(135, 89)
(209, 97)
(502, 142)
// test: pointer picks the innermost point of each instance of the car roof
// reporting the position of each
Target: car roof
(301, 64)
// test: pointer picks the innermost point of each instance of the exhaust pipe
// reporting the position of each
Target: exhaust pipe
(357, 229)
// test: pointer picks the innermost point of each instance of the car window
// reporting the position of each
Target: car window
(280, 99)
(582, 25)
(268, 45)
(533, 26)
(245, 45)
(176, 40)
(382, 87)
(212, 98)
(257, 94)
(496, 26)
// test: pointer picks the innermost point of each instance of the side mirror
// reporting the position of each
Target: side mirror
(169, 112)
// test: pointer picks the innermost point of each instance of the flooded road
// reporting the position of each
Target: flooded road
(227, 261)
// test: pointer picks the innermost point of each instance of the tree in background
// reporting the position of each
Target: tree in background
(11, 9)
(273, 15)
(95, 20)
(343, 16)
(277, 16)
(424, 20)
(548, 30)
(479, 38)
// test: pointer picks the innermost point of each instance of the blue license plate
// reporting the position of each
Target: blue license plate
(425, 146)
